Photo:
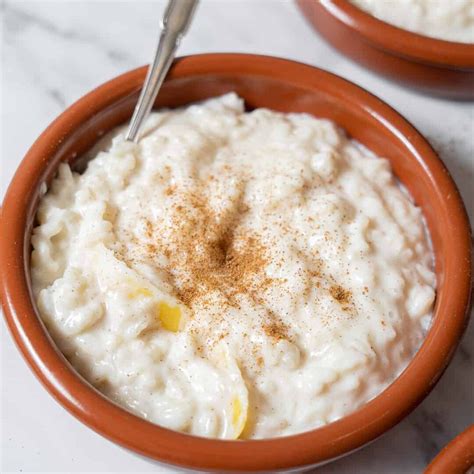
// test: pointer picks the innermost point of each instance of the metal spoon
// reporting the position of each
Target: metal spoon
(175, 23)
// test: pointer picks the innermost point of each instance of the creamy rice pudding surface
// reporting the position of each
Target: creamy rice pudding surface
(234, 275)
(451, 20)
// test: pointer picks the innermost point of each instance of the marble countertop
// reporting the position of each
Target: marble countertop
(54, 52)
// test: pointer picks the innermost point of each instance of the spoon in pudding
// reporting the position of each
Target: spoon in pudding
(174, 25)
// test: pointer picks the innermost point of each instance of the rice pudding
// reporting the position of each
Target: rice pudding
(451, 20)
(234, 274)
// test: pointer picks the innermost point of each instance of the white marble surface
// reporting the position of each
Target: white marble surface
(52, 53)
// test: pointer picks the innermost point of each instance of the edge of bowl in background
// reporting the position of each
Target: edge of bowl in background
(456, 457)
(295, 87)
(430, 65)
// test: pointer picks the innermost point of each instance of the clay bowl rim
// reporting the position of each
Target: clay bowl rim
(403, 43)
(457, 456)
(130, 431)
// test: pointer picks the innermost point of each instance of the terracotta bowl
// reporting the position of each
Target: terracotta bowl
(434, 66)
(456, 457)
(263, 82)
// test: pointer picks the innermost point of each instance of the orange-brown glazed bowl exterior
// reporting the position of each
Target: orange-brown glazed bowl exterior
(456, 457)
(263, 82)
(431, 65)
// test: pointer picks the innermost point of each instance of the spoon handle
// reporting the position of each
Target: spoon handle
(174, 26)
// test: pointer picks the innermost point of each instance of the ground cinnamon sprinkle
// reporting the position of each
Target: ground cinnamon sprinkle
(216, 265)
(276, 330)
(206, 246)
(170, 190)
(213, 262)
(341, 295)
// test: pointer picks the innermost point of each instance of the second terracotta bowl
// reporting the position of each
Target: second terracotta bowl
(431, 65)
(263, 82)
(457, 457)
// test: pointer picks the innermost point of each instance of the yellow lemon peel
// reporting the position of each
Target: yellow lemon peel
(239, 417)
(137, 292)
(170, 316)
